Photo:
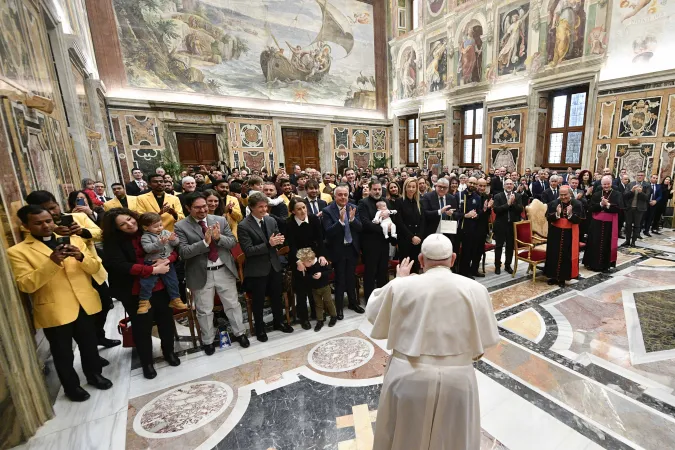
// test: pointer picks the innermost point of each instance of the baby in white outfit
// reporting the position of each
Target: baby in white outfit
(382, 216)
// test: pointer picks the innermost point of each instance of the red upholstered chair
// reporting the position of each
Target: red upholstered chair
(524, 247)
(489, 246)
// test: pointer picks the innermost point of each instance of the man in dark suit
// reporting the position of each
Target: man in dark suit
(315, 204)
(508, 206)
(374, 246)
(137, 186)
(99, 190)
(621, 184)
(355, 191)
(636, 199)
(654, 198)
(259, 237)
(278, 212)
(485, 211)
(551, 193)
(438, 205)
(539, 185)
(342, 227)
(467, 215)
(497, 183)
(297, 170)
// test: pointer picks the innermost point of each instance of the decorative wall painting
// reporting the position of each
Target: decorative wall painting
(505, 158)
(639, 117)
(435, 7)
(513, 32)
(301, 51)
(566, 30)
(251, 135)
(506, 129)
(634, 159)
(407, 72)
(437, 65)
(670, 117)
(432, 135)
(341, 136)
(470, 65)
(361, 139)
(379, 139)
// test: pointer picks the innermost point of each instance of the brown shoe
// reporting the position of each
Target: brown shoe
(143, 306)
(177, 303)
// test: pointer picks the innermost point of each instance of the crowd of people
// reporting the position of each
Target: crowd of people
(158, 237)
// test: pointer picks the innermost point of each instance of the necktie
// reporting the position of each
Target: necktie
(653, 190)
(555, 193)
(264, 229)
(213, 250)
(348, 231)
(102, 198)
(315, 208)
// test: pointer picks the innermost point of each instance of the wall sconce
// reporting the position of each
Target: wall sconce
(40, 103)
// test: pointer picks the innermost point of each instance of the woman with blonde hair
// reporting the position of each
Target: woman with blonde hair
(410, 222)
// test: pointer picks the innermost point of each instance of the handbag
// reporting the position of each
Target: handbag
(124, 328)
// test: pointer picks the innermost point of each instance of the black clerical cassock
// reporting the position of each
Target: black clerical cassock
(603, 231)
(562, 245)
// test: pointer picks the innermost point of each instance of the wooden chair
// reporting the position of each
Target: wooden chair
(524, 247)
(240, 258)
(182, 313)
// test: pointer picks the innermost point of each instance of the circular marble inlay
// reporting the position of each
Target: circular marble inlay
(183, 409)
(341, 354)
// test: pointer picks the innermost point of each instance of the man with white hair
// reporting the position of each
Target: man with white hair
(429, 397)
(603, 231)
(551, 193)
(189, 186)
(508, 205)
(562, 250)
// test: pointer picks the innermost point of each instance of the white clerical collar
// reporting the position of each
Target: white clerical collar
(300, 222)
(46, 238)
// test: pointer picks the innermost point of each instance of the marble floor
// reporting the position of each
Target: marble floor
(587, 366)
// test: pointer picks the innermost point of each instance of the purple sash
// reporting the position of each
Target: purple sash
(614, 218)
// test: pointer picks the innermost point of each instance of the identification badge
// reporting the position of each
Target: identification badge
(448, 227)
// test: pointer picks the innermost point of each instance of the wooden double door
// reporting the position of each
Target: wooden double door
(301, 146)
(197, 149)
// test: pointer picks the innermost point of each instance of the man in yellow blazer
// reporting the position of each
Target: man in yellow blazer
(158, 201)
(233, 213)
(58, 276)
(121, 200)
(90, 233)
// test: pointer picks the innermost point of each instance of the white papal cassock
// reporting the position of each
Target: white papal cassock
(436, 324)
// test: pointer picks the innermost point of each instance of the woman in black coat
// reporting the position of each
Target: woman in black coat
(303, 230)
(666, 195)
(409, 223)
(123, 259)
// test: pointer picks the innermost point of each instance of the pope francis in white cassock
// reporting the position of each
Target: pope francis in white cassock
(436, 325)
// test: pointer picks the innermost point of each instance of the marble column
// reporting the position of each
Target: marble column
(24, 403)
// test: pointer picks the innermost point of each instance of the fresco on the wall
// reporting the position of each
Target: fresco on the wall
(435, 8)
(639, 117)
(470, 66)
(432, 135)
(566, 30)
(437, 64)
(506, 129)
(408, 73)
(513, 28)
(303, 51)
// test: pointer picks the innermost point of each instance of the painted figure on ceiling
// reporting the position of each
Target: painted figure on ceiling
(567, 22)
(470, 66)
(513, 42)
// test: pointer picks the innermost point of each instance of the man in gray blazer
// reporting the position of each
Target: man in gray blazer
(635, 198)
(205, 243)
(259, 236)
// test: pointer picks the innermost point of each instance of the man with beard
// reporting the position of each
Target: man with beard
(603, 232)
(467, 215)
(374, 246)
(508, 206)
(483, 227)
(497, 183)
(562, 249)
(232, 208)
(158, 201)
(355, 191)
(276, 208)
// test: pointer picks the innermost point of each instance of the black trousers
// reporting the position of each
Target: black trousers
(633, 222)
(648, 218)
(469, 242)
(622, 219)
(303, 293)
(141, 324)
(60, 338)
(376, 260)
(503, 236)
(259, 287)
(658, 214)
(478, 250)
(106, 305)
(345, 278)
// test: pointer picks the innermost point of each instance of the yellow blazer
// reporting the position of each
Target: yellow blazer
(147, 203)
(235, 216)
(58, 290)
(327, 198)
(322, 186)
(115, 203)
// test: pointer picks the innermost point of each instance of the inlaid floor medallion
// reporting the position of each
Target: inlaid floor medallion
(183, 409)
(341, 354)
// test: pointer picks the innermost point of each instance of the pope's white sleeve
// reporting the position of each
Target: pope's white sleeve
(378, 311)
(487, 322)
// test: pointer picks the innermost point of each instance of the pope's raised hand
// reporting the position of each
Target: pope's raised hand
(404, 267)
